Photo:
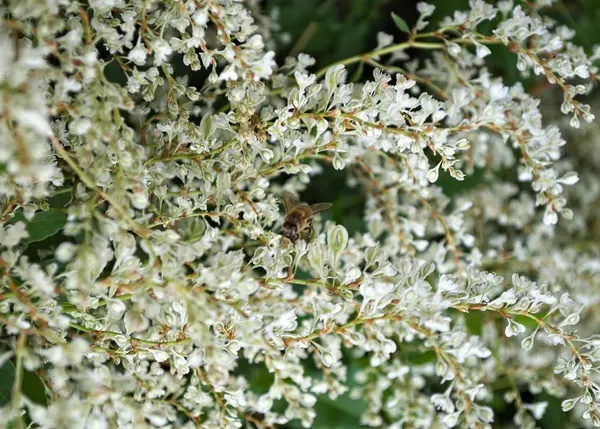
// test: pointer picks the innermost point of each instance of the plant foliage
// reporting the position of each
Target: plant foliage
(145, 148)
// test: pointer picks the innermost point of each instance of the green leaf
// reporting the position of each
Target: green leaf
(43, 224)
(420, 357)
(207, 126)
(61, 199)
(7, 378)
(554, 417)
(400, 23)
(33, 387)
(474, 322)
(453, 187)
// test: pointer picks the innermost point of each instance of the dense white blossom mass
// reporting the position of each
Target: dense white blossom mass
(162, 275)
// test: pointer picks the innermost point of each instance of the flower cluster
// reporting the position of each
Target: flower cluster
(145, 148)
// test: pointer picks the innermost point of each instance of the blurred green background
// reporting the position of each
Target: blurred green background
(330, 30)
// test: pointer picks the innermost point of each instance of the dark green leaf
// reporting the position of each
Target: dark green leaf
(33, 387)
(43, 225)
(61, 199)
(554, 417)
(474, 321)
(420, 357)
(7, 378)
(400, 23)
(453, 187)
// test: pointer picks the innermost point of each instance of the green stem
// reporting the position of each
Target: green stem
(67, 306)
(192, 155)
(424, 81)
(406, 45)
(132, 338)
(16, 388)
(196, 214)
(382, 51)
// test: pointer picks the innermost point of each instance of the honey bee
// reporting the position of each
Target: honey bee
(298, 216)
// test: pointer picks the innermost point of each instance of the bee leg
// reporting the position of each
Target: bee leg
(309, 233)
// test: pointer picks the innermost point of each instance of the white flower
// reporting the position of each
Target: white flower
(264, 67)
(161, 50)
(80, 126)
(425, 9)
(513, 328)
(138, 55)
(13, 234)
(442, 402)
(33, 119)
(200, 17)
(228, 73)
(285, 322)
(537, 409)
(304, 80)
(384, 39)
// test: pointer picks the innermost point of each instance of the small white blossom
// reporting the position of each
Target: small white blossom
(138, 55)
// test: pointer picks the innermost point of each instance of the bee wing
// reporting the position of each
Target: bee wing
(290, 201)
(320, 207)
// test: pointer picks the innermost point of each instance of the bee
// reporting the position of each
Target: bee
(299, 216)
